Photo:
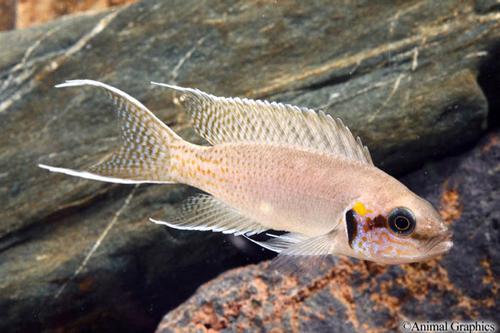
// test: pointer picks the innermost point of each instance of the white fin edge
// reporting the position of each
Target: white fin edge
(174, 87)
(89, 175)
(86, 82)
(206, 213)
(279, 243)
(292, 237)
(235, 232)
(264, 244)
(240, 120)
(294, 244)
(144, 155)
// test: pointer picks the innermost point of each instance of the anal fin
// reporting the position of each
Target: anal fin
(205, 212)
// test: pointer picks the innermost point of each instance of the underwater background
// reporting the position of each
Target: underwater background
(418, 81)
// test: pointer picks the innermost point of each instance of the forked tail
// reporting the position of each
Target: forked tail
(145, 154)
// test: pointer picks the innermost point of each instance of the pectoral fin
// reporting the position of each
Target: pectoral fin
(279, 243)
(306, 254)
(314, 246)
(294, 247)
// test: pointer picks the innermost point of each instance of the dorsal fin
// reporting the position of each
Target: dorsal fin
(240, 120)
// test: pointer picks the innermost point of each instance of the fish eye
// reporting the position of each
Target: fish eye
(402, 221)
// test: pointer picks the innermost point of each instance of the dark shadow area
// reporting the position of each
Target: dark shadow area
(489, 80)
(167, 294)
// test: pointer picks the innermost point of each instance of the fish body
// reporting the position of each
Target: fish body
(272, 166)
(281, 187)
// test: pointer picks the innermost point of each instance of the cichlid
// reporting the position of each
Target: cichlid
(272, 166)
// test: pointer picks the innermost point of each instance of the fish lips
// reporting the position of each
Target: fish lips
(441, 245)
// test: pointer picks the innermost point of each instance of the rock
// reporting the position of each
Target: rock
(32, 12)
(354, 296)
(407, 86)
(7, 14)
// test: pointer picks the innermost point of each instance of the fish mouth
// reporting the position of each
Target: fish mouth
(440, 245)
(442, 248)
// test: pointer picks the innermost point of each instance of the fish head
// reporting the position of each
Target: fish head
(404, 229)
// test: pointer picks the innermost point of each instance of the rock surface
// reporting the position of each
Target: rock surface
(7, 14)
(18, 14)
(79, 255)
(352, 296)
(33, 12)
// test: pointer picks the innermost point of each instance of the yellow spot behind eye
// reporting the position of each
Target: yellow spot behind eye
(360, 209)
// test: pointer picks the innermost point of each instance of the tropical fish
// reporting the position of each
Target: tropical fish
(272, 166)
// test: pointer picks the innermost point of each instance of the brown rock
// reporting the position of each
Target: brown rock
(7, 14)
(26, 13)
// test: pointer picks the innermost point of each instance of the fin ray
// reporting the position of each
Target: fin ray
(237, 120)
(204, 212)
(144, 155)
(93, 176)
(297, 252)
(306, 253)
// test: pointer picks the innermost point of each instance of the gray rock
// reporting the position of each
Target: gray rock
(353, 296)
(402, 77)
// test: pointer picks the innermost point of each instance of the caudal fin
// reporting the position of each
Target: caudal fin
(144, 156)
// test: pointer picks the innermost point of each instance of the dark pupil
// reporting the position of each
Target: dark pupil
(402, 223)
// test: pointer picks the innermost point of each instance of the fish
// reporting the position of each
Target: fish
(298, 175)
